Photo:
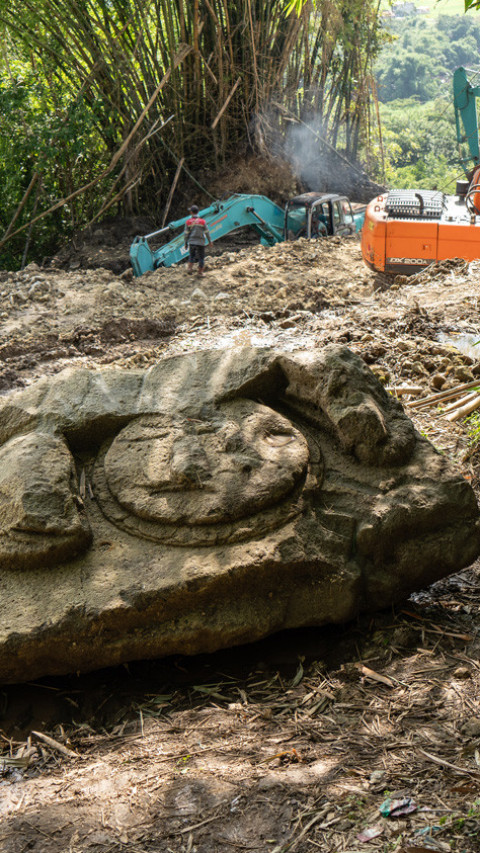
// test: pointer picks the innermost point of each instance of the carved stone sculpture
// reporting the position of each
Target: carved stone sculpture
(210, 500)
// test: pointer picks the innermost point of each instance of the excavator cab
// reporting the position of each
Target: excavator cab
(314, 215)
(407, 230)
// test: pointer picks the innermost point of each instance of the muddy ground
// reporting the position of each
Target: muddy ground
(295, 743)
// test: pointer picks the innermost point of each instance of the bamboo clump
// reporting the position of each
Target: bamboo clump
(215, 66)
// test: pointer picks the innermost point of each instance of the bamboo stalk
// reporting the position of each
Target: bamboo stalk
(107, 204)
(133, 181)
(254, 56)
(209, 71)
(21, 205)
(465, 410)
(172, 190)
(183, 51)
(229, 98)
(459, 403)
(373, 86)
(445, 395)
(405, 389)
(29, 232)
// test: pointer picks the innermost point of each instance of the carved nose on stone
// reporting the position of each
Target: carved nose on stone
(189, 463)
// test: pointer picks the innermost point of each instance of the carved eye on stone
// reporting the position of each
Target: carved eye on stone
(238, 470)
(279, 439)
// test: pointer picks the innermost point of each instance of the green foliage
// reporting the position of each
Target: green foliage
(419, 144)
(472, 422)
(47, 139)
(295, 6)
(423, 54)
(409, 75)
(414, 83)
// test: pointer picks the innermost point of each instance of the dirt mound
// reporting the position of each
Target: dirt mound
(290, 295)
(276, 178)
(272, 177)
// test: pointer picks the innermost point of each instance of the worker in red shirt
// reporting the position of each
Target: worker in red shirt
(195, 234)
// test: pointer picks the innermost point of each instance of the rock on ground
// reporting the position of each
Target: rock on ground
(210, 500)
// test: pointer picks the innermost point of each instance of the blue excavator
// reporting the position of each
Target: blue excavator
(308, 215)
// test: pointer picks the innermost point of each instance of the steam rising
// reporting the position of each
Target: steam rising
(312, 163)
(321, 168)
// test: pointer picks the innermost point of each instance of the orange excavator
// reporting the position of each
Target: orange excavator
(406, 230)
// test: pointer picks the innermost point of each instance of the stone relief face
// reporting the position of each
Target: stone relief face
(205, 479)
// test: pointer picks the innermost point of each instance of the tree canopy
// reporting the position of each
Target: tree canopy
(422, 55)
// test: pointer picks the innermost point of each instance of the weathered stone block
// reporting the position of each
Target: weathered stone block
(210, 500)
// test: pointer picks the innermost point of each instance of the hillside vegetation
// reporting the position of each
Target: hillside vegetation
(414, 83)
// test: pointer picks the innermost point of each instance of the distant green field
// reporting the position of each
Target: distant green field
(445, 7)
(440, 7)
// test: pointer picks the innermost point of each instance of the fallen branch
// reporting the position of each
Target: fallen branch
(291, 845)
(459, 403)
(56, 206)
(375, 676)
(172, 190)
(21, 205)
(108, 201)
(404, 389)
(444, 763)
(54, 744)
(229, 98)
(197, 825)
(184, 50)
(105, 206)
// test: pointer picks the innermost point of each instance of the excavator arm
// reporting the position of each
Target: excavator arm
(222, 217)
(466, 119)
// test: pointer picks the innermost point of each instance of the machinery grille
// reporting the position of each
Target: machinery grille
(415, 204)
